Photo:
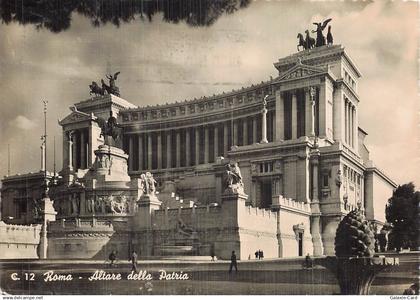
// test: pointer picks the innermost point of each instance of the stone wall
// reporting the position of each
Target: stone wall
(18, 241)
(84, 239)
(293, 217)
(258, 231)
(378, 189)
(232, 226)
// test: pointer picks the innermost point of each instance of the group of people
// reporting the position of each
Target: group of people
(133, 259)
(259, 254)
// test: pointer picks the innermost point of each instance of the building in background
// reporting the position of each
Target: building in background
(296, 139)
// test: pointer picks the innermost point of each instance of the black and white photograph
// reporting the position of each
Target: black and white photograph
(209, 147)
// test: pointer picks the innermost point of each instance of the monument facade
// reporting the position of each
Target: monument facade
(274, 166)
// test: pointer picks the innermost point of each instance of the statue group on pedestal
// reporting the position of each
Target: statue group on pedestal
(234, 181)
(148, 183)
(308, 42)
(110, 88)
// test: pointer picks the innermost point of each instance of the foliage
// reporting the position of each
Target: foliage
(56, 15)
(402, 212)
(354, 236)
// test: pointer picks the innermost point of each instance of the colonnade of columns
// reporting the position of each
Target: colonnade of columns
(297, 113)
(202, 144)
(350, 123)
(77, 148)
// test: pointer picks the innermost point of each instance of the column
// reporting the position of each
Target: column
(351, 124)
(70, 149)
(159, 150)
(197, 145)
(168, 150)
(149, 151)
(345, 120)
(294, 116)
(178, 149)
(42, 156)
(141, 152)
(338, 114)
(206, 144)
(216, 141)
(353, 131)
(254, 130)
(309, 113)
(264, 125)
(323, 109)
(74, 137)
(245, 131)
(130, 153)
(279, 116)
(348, 123)
(225, 139)
(315, 211)
(356, 130)
(235, 133)
(82, 150)
(187, 148)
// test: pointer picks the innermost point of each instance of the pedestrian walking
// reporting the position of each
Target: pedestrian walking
(256, 255)
(233, 262)
(112, 258)
(133, 259)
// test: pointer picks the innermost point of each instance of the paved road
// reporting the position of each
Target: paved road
(276, 276)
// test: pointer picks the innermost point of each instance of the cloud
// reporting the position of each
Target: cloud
(161, 62)
(22, 122)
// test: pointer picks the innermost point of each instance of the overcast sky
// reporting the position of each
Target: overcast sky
(161, 62)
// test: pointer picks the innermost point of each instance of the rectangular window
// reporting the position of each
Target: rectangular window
(325, 180)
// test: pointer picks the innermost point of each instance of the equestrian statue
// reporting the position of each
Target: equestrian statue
(109, 128)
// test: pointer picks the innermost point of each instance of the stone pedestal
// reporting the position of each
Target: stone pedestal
(233, 208)
(146, 205)
(356, 274)
(142, 224)
(315, 229)
(48, 215)
(111, 164)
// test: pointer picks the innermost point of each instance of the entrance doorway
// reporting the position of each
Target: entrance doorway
(266, 194)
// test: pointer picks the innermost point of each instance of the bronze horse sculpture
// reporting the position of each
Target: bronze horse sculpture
(305, 43)
(109, 128)
(105, 88)
(96, 89)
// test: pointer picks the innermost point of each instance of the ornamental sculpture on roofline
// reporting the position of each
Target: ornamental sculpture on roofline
(308, 42)
(110, 88)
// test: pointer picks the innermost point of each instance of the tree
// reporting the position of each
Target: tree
(402, 211)
(56, 15)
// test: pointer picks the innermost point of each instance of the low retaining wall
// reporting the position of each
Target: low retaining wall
(19, 241)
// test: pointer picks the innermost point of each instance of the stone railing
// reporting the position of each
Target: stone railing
(80, 223)
(289, 203)
(19, 241)
(20, 234)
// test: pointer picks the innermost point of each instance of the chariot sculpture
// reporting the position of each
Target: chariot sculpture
(309, 42)
(110, 88)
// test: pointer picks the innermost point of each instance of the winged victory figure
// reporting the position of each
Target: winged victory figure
(320, 39)
(111, 88)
